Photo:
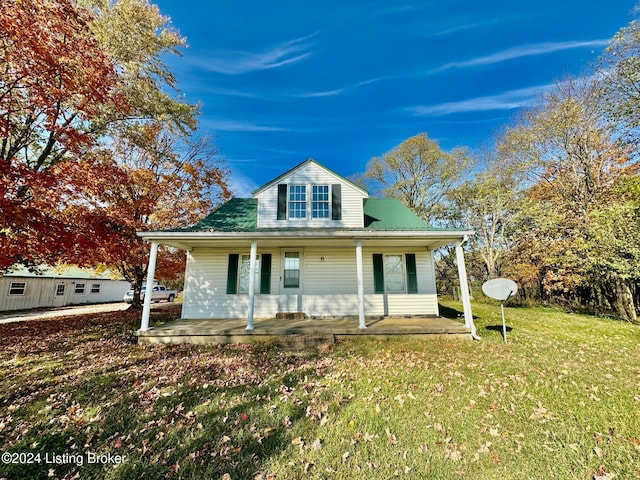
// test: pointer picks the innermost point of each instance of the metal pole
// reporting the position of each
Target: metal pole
(504, 326)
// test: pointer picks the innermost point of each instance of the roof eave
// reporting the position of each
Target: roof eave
(183, 240)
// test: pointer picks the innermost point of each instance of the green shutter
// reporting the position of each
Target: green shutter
(282, 201)
(232, 274)
(336, 202)
(378, 273)
(412, 274)
(265, 273)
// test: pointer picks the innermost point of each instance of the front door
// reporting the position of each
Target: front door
(59, 295)
(291, 280)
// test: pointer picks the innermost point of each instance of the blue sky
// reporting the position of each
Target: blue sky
(344, 81)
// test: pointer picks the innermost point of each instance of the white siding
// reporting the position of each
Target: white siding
(41, 292)
(328, 281)
(312, 174)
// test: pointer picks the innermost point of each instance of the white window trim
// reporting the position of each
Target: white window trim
(75, 288)
(12, 286)
(257, 279)
(284, 270)
(306, 201)
(404, 273)
(95, 288)
(309, 202)
(328, 201)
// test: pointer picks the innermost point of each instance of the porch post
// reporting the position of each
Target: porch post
(360, 276)
(464, 287)
(252, 284)
(151, 270)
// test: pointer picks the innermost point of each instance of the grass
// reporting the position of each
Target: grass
(560, 400)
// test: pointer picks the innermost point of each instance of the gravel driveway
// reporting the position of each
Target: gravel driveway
(20, 316)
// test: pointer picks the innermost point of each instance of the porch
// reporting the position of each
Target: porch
(224, 331)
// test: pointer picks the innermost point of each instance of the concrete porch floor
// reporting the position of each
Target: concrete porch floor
(223, 331)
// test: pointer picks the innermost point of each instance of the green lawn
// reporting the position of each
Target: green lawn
(560, 400)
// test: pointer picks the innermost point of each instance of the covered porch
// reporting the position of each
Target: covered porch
(225, 331)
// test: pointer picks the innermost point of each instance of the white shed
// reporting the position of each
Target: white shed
(21, 289)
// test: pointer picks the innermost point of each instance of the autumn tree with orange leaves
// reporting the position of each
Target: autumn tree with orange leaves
(54, 78)
(92, 147)
(151, 180)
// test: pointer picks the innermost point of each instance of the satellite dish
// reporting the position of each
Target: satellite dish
(499, 288)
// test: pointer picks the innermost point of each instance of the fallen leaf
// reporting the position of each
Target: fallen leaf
(392, 438)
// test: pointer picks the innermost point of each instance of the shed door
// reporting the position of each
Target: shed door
(59, 295)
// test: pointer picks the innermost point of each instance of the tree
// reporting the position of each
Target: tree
(55, 79)
(418, 173)
(576, 164)
(486, 205)
(616, 248)
(77, 78)
(150, 179)
(618, 71)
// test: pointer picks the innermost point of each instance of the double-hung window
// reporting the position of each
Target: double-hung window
(291, 270)
(245, 269)
(395, 273)
(297, 201)
(320, 201)
(17, 288)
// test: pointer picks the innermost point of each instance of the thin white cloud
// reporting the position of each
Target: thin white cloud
(342, 90)
(522, 51)
(328, 93)
(505, 101)
(225, 125)
(240, 184)
(238, 62)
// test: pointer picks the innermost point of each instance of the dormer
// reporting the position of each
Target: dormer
(310, 196)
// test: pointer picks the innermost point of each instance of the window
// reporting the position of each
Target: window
(320, 201)
(17, 288)
(95, 288)
(59, 289)
(245, 269)
(79, 288)
(291, 270)
(393, 273)
(297, 201)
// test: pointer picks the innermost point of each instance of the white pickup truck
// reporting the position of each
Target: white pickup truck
(160, 292)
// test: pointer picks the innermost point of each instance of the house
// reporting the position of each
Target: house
(310, 243)
(21, 289)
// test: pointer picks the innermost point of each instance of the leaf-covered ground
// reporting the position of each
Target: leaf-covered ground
(560, 400)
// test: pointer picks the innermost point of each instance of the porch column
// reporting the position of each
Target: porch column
(360, 276)
(464, 287)
(252, 284)
(151, 270)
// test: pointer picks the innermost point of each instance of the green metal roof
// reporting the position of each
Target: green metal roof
(241, 215)
(237, 215)
(392, 214)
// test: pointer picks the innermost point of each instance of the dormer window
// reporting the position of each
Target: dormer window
(297, 201)
(320, 201)
(294, 202)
